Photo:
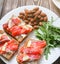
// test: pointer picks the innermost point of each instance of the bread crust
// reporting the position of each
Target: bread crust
(18, 39)
(25, 45)
(8, 55)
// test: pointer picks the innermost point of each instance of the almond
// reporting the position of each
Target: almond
(27, 11)
(40, 23)
(31, 19)
(21, 16)
(43, 14)
(21, 13)
(35, 26)
(26, 21)
(36, 16)
(35, 23)
(37, 12)
(36, 8)
(39, 16)
(45, 18)
(41, 19)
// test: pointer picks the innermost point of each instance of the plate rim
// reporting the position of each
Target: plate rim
(26, 6)
(56, 4)
(20, 7)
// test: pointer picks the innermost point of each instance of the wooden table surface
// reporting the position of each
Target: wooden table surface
(8, 5)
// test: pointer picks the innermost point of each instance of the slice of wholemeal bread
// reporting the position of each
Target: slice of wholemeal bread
(17, 28)
(31, 50)
(8, 45)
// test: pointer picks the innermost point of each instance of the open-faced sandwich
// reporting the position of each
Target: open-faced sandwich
(8, 45)
(17, 28)
(31, 50)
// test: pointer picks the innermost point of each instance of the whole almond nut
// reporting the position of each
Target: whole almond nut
(37, 12)
(26, 21)
(21, 13)
(36, 8)
(35, 26)
(45, 18)
(36, 16)
(30, 23)
(40, 23)
(27, 11)
(41, 19)
(31, 19)
(43, 14)
(39, 16)
(32, 11)
(24, 18)
(21, 16)
(30, 15)
(35, 23)
(26, 15)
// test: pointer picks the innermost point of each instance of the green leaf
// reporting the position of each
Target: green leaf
(50, 34)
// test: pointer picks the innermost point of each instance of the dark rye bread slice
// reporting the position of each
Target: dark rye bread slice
(19, 38)
(9, 54)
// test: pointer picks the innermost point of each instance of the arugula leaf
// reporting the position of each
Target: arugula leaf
(50, 34)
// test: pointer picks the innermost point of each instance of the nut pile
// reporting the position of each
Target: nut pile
(34, 17)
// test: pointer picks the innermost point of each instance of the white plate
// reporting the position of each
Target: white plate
(57, 3)
(55, 53)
